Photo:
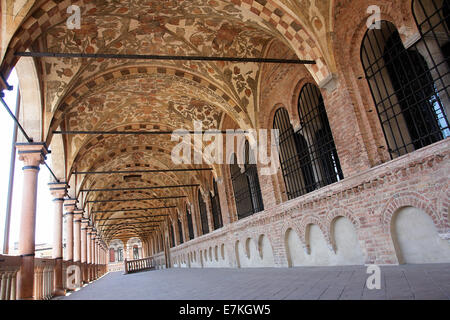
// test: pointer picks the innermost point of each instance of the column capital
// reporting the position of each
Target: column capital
(70, 205)
(58, 190)
(32, 154)
(78, 215)
(84, 223)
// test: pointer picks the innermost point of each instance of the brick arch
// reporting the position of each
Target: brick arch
(294, 227)
(342, 212)
(347, 52)
(443, 206)
(409, 199)
(399, 14)
(291, 224)
(277, 179)
(271, 243)
(231, 108)
(306, 222)
(288, 26)
(296, 95)
(338, 213)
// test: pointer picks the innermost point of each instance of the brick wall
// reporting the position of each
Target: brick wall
(368, 199)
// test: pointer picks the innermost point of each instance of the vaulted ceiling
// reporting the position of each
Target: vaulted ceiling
(144, 95)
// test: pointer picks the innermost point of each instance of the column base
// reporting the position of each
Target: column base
(59, 293)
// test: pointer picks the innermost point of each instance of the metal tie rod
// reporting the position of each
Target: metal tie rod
(141, 188)
(135, 199)
(158, 57)
(142, 171)
(134, 209)
(115, 132)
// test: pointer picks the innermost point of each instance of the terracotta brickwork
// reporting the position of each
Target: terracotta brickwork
(368, 200)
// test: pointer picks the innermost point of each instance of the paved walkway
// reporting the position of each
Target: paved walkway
(330, 283)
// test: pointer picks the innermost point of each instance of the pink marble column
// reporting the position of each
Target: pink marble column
(89, 252)
(58, 191)
(93, 253)
(84, 247)
(69, 206)
(32, 155)
(77, 216)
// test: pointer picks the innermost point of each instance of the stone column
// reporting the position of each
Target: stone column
(58, 191)
(93, 258)
(84, 225)
(88, 252)
(32, 155)
(77, 216)
(69, 206)
(96, 251)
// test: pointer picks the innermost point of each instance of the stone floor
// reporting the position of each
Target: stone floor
(329, 283)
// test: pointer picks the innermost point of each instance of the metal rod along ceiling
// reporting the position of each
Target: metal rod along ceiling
(158, 57)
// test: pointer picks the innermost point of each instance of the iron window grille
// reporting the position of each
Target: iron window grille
(246, 187)
(172, 236)
(308, 158)
(135, 253)
(203, 213)
(215, 207)
(189, 223)
(180, 231)
(410, 86)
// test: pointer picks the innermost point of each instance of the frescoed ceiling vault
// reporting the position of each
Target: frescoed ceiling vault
(130, 95)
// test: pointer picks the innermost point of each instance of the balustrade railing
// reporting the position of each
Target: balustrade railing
(116, 267)
(138, 265)
(9, 266)
(44, 276)
(44, 270)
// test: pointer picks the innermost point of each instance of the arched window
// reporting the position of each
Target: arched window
(190, 224)
(247, 191)
(172, 236)
(203, 213)
(308, 157)
(317, 152)
(215, 207)
(180, 231)
(135, 252)
(297, 172)
(409, 90)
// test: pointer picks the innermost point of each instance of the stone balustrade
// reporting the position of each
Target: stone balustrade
(9, 266)
(138, 265)
(44, 270)
(44, 276)
(116, 267)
